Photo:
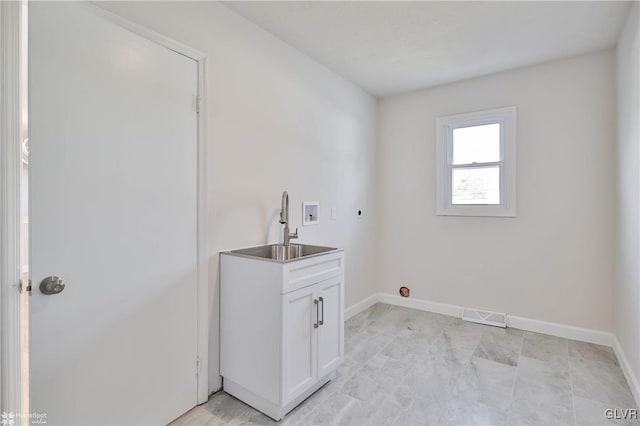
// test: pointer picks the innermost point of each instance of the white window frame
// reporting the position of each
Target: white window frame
(445, 126)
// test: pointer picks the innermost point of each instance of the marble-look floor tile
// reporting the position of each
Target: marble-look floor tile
(500, 345)
(407, 367)
(423, 395)
(346, 370)
(332, 411)
(602, 382)
(353, 328)
(430, 319)
(398, 314)
(228, 408)
(214, 422)
(369, 348)
(452, 363)
(197, 417)
(408, 348)
(421, 416)
(413, 320)
(384, 414)
(434, 385)
(365, 318)
(460, 327)
(542, 394)
(594, 413)
(486, 382)
(359, 339)
(528, 413)
(592, 352)
(322, 394)
(482, 394)
(429, 408)
(364, 413)
(464, 333)
(543, 381)
(427, 333)
(470, 413)
(545, 348)
(384, 326)
(385, 370)
(366, 387)
(457, 342)
(255, 419)
(298, 415)
(376, 311)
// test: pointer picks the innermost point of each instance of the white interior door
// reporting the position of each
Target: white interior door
(113, 132)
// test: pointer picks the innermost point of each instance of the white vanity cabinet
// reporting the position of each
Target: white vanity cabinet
(281, 327)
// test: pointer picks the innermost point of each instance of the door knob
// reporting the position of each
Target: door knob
(51, 285)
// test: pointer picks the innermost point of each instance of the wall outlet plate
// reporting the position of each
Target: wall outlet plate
(310, 213)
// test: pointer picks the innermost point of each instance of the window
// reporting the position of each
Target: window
(476, 163)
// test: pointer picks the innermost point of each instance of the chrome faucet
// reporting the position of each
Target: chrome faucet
(284, 219)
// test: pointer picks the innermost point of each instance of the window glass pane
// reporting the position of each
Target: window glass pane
(476, 144)
(475, 185)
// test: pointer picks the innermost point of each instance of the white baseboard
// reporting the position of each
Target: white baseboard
(561, 330)
(632, 380)
(521, 323)
(360, 306)
(423, 305)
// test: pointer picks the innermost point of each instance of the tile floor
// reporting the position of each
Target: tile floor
(408, 367)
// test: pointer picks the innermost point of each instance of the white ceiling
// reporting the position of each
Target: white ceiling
(388, 47)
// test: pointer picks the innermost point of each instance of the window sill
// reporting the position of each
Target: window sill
(477, 211)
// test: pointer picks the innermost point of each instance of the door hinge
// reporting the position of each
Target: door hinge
(198, 104)
(198, 366)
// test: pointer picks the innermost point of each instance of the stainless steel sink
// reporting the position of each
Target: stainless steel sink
(282, 253)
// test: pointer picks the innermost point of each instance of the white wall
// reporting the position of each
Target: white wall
(276, 120)
(627, 285)
(554, 262)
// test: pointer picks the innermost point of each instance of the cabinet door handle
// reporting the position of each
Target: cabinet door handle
(321, 322)
(315, 302)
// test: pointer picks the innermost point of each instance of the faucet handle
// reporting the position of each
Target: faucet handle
(295, 234)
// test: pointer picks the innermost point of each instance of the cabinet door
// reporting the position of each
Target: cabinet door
(331, 328)
(299, 342)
